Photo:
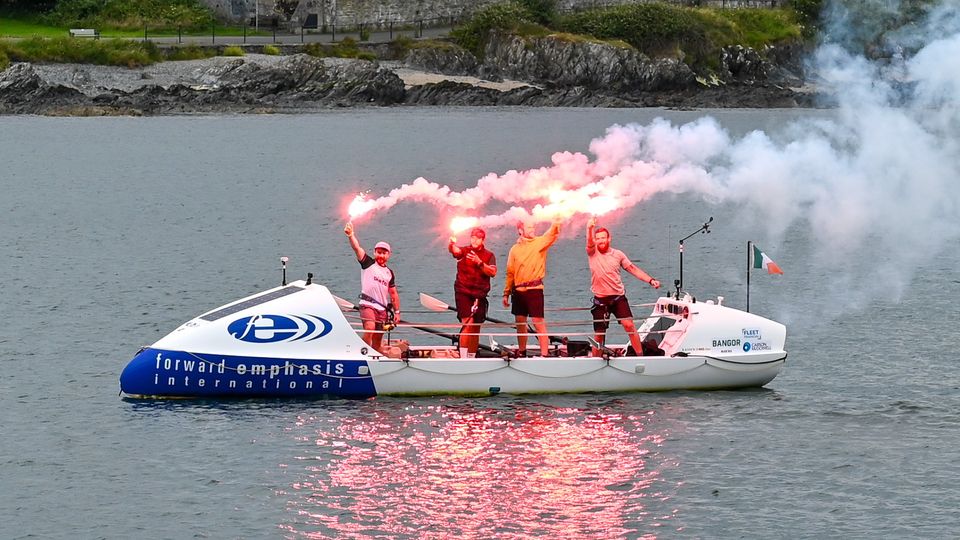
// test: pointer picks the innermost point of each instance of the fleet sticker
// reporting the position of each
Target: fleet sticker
(751, 333)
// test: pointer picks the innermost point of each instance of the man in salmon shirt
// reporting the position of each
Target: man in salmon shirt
(526, 268)
(609, 294)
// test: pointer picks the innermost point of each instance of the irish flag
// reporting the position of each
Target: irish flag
(760, 260)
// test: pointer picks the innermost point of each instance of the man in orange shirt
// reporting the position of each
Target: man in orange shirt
(526, 268)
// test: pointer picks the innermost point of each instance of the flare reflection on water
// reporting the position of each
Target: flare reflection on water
(405, 469)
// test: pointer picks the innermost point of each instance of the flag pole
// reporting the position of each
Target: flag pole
(749, 252)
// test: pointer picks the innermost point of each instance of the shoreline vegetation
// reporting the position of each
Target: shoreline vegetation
(649, 54)
(656, 29)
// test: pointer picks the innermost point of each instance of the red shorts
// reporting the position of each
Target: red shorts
(465, 307)
(528, 303)
(603, 306)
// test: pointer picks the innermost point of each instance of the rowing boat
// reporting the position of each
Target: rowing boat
(296, 341)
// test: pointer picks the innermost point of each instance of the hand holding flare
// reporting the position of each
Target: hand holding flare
(359, 206)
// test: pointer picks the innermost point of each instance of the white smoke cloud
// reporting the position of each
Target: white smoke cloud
(876, 181)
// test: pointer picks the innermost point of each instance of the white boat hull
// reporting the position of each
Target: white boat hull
(294, 341)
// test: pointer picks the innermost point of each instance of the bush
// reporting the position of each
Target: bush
(4, 61)
(232, 50)
(808, 14)
(345, 49)
(658, 29)
(189, 52)
(401, 46)
(271, 50)
(128, 13)
(758, 27)
(648, 27)
(113, 52)
(507, 16)
(541, 11)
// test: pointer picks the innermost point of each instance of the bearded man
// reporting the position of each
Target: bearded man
(609, 294)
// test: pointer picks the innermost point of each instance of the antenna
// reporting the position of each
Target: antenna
(283, 265)
(705, 228)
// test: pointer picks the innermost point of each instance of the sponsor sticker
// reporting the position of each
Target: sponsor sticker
(751, 333)
(276, 328)
(758, 346)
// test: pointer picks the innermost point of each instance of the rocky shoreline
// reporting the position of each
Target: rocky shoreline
(516, 72)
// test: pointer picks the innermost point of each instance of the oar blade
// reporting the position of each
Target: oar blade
(434, 304)
(343, 303)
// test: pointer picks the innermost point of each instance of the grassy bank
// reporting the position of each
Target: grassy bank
(108, 52)
(695, 34)
(135, 53)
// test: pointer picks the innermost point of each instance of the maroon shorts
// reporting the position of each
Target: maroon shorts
(528, 303)
(603, 306)
(470, 306)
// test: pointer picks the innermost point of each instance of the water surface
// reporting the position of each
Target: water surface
(116, 230)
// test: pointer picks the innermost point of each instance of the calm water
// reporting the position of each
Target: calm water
(114, 231)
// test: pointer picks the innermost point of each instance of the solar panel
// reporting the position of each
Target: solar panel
(255, 301)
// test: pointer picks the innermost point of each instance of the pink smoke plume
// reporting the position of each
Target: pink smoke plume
(617, 178)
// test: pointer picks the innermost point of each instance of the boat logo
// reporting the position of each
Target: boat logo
(274, 328)
(751, 333)
(758, 346)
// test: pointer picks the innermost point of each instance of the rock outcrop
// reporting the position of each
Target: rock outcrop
(296, 82)
(563, 62)
(542, 71)
(570, 71)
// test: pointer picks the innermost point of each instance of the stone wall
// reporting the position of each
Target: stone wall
(432, 12)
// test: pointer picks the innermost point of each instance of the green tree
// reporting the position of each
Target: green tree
(34, 6)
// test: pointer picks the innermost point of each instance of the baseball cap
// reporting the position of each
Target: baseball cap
(478, 232)
(382, 245)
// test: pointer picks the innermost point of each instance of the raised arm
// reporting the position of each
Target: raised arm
(454, 249)
(354, 243)
(591, 247)
(552, 233)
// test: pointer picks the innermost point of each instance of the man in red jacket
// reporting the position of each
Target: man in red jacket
(475, 266)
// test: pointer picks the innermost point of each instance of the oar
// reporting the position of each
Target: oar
(350, 306)
(435, 304)
(604, 350)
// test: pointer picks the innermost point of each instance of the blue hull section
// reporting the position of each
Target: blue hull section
(163, 373)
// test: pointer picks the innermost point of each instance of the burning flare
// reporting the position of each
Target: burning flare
(360, 206)
(462, 223)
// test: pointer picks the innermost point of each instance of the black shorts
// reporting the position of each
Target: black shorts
(603, 306)
(528, 303)
(465, 307)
